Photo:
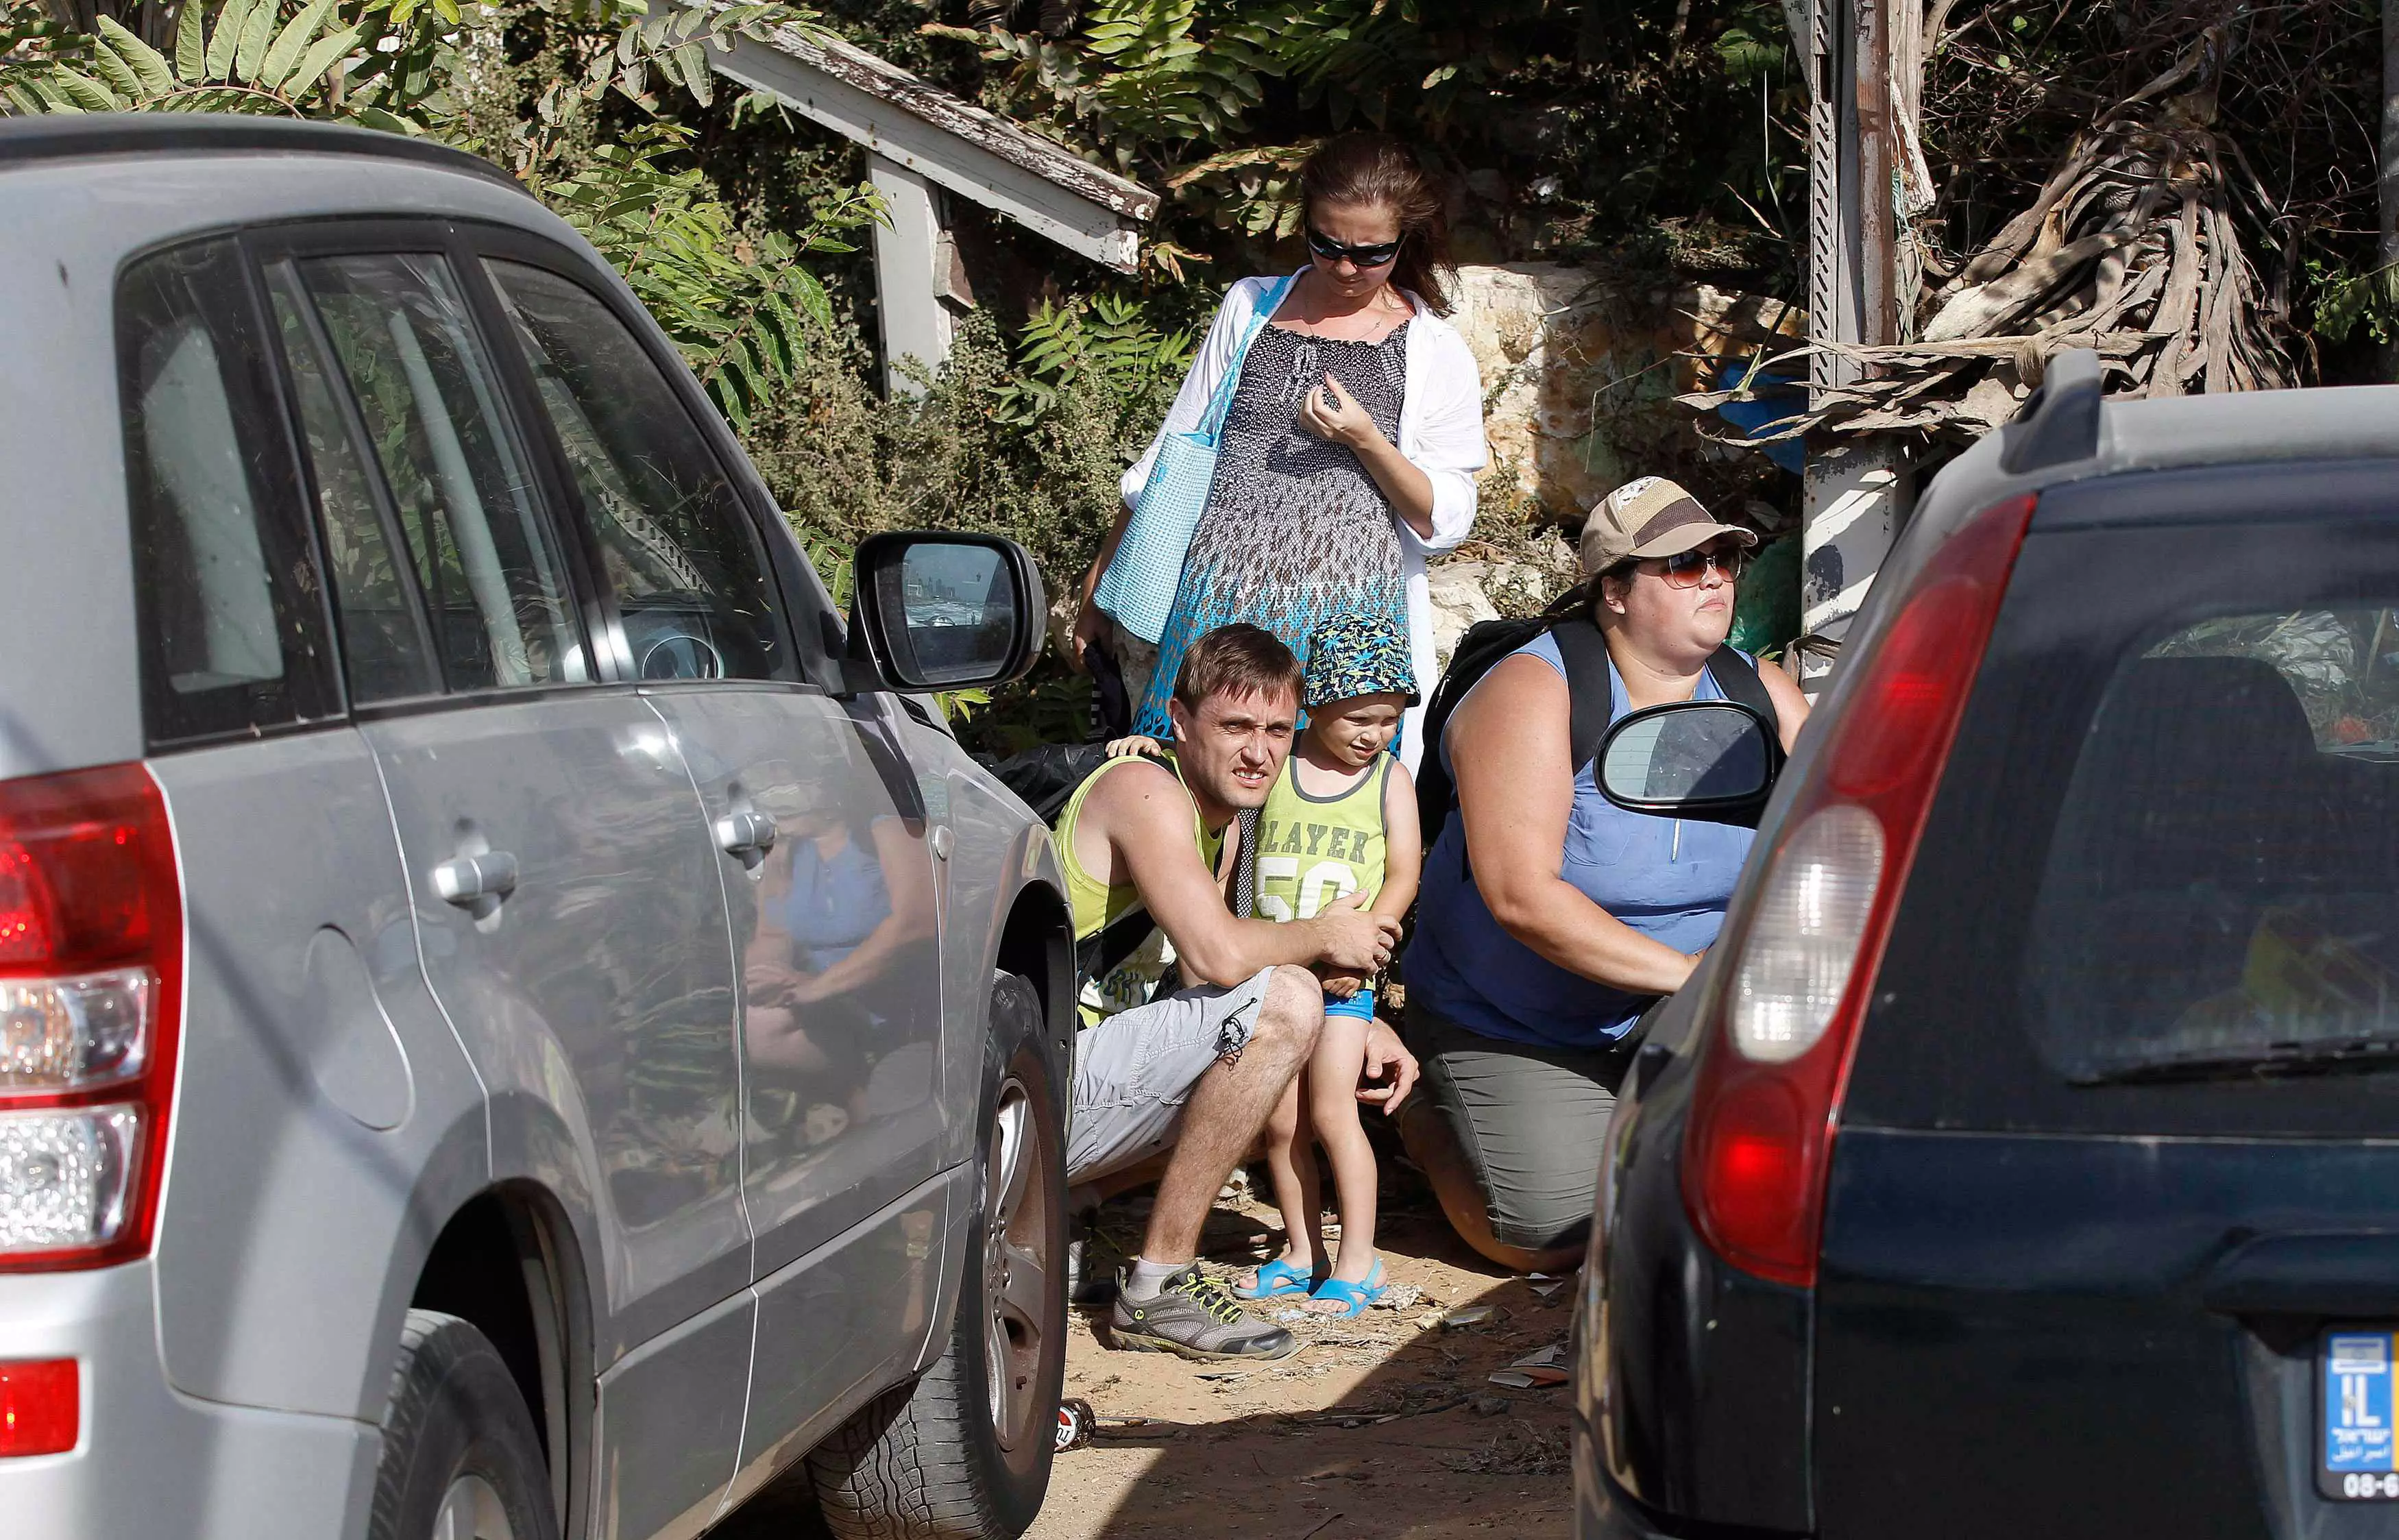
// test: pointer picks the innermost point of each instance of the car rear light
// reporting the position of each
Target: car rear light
(91, 955)
(1803, 937)
(1806, 942)
(41, 1406)
(65, 1033)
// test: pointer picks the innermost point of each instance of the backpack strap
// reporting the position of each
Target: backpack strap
(1584, 652)
(1098, 954)
(1737, 677)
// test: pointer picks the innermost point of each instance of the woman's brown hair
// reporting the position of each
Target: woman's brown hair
(1364, 170)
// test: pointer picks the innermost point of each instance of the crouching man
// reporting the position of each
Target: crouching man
(1198, 1071)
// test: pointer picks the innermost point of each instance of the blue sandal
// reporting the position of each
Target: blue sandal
(1277, 1278)
(1357, 1296)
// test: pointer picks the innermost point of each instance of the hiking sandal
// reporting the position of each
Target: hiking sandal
(1277, 1278)
(1353, 1297)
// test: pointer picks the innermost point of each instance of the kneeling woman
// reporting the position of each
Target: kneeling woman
(1550, 919)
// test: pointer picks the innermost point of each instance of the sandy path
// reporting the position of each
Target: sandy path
(1296, 1450)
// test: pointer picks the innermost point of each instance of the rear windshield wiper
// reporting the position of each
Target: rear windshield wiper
(2332, 1056)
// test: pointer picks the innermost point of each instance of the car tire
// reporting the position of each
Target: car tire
(964, 1454)
(460, 1458)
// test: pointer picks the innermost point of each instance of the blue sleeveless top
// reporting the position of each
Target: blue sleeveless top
(835, 903)
(1667, 878)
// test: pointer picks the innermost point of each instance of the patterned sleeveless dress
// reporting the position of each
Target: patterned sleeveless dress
(1294, 531)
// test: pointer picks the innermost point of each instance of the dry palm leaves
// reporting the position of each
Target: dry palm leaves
(2134, 246)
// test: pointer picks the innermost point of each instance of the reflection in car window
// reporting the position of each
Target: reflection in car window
(383, 652)
(230, 611)
(841, 930)
(690, 581)
(492, 580)
(2222, 889)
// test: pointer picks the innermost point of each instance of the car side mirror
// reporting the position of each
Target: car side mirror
(944, 610)
(1714, 761)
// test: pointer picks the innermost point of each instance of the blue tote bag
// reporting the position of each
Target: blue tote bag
(1138, 587)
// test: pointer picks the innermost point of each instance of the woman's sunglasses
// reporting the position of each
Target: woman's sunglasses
(1359, 256)
(1690, 569)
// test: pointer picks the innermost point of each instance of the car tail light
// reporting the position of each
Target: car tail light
(1805, 947)
(91, 971)
(41, 1406)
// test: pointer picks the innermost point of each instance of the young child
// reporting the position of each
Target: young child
(1341, 819)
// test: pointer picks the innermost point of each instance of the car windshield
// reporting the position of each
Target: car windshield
(2222, 894)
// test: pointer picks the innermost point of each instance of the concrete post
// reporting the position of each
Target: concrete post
(912, 263)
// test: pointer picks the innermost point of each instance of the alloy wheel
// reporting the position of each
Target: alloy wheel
(1015, 1265)
(471, 1509)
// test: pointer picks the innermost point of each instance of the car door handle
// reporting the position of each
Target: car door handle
(745, 832)
(467, 880)
(2327, 1274)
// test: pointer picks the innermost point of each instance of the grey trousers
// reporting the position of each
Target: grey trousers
(1531, 1121)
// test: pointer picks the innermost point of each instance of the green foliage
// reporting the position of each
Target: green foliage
(740, 304)
(847, 462)
(2349, 303)
(1749, 58)
(1657, 133)
(365, 63)
(1106, 346)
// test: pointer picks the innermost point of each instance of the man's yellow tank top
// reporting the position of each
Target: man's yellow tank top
(1313, 850)
(1097, 906)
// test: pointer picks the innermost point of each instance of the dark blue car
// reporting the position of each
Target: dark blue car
(2023, 1162)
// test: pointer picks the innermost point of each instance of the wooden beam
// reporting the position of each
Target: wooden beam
(908, 252)
(974, 153)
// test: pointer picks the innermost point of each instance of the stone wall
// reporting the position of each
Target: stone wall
(1579, 370)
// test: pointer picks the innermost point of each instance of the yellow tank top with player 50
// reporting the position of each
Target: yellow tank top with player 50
(1313, 850)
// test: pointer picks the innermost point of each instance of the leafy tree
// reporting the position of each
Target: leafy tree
(1664, 134)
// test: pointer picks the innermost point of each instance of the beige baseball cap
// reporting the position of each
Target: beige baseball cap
(1651, 517)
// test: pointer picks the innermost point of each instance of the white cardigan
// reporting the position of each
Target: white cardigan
(1441, 433)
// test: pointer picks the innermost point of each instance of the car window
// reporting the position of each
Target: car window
(231, 613)
(384, 650)
(2221, 887)
(680, 553)
(486, 563)
(2153, 890)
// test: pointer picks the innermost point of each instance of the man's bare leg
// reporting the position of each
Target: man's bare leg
(1227, 1111)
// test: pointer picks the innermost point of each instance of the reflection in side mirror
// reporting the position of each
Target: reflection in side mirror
(946, 611)
(1709, 759)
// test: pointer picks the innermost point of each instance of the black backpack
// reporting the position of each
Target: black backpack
(1585, 653)
(1045, 775)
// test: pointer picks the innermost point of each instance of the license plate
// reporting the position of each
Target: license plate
(2356, 1367)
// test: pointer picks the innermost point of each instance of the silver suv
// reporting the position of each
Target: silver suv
(512, 1021)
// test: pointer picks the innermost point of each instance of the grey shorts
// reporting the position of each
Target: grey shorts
(1134, 1071)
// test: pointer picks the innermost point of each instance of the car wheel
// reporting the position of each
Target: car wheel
(460, 1458)
(964, 1454)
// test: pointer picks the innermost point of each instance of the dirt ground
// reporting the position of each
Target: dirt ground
(1384, 1426)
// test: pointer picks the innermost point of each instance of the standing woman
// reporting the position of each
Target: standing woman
(1349, 451)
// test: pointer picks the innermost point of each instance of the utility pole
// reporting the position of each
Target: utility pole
(2386, 256)
(1857, 491)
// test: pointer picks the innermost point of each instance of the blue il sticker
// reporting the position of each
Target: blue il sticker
(2358, 1401)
